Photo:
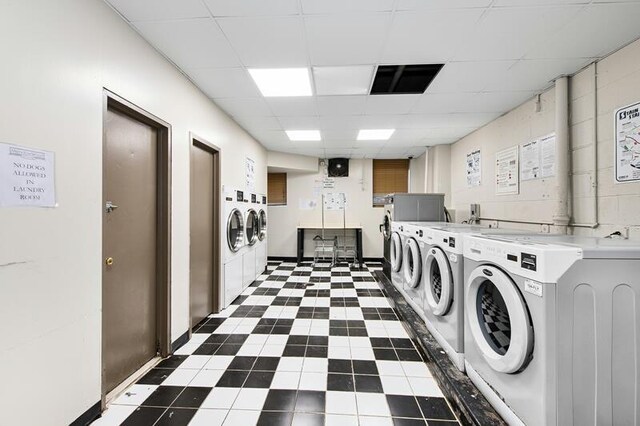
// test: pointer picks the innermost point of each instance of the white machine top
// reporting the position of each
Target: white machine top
(544, 257)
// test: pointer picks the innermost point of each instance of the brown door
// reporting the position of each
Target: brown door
(203, 257)
(130, 290)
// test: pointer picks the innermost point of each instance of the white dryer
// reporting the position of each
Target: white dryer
(251, 238)
(412, 265)
(397, 240)
(551, 335)
(234, 247)
(261, 244)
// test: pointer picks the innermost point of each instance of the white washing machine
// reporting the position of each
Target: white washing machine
(412, 265)
(398, 238)
(251, 238)
(261, 245)
(234, 247)
(551, 335)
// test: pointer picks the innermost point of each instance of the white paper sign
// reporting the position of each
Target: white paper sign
(474, 168)
(329, 183)
(548, 155)
(307, 203)
(530, 160)
(250, 174)
(27, 177)
(627, 146)
(507, 181)
(335, 201)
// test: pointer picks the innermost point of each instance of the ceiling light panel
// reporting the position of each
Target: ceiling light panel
(375, 134)
(282, 82)
(304, 135)
(354, 80)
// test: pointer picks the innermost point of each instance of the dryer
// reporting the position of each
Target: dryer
(551, 334)
(251, 238)
(397, 240)
(234, 247)
(261, 245)
(412, 265)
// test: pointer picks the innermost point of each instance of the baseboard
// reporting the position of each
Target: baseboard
(373, 259)
(86, 418)
(180, 341)
(308, 259)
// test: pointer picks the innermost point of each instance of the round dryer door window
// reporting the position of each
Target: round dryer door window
(412, 263)
(396, 252)
(235, 230)
(252, 227)
(262, 224)
(386, 226)
(498, 319)
(437, 272)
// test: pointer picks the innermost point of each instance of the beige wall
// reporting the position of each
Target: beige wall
(592, 121)
(283, 220)
(417, 170)
(57, 57)
(284, 162)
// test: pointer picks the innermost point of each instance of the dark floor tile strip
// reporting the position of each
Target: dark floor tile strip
(180, 341)
(471, 407)
(86, 418)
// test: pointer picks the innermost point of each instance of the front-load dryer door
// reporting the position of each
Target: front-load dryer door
(262, 225)
(251, 228)
(498, 319)
(396, 252)
(412, 263)
(235, 230)
(386, 226)
(439, 288)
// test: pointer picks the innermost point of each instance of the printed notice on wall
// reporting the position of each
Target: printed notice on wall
(538, 158)
(627, 144)
(507, 181)
(335, 201)
(250, 174)
(474, 168)
(26, 177)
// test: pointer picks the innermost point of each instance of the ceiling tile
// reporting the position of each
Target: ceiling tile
(341, 135)
(337, 152)
(428, 37)
(457, 77)
(244, 107)
(274, 137)
(535, 74)
(503, 3)
(257, 123)
(150, 10)
(390, 121)
(345, 6)
(341, 105)
(253, 7)
(267, 42)
(224, 82)
(354, 80)
(605, 26)
(441, 4)
(426, 121)
(509, 33)
(445, 103)
(448, 133)
(300, 123)
(293, 106)
(390, 104)
(346, 39)
(192, 43)
(340, 122)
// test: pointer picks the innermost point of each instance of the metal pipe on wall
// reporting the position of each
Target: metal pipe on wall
(561, 211)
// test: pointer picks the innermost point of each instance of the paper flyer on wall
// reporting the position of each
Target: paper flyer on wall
(538, 158)
(27, 177)
(627, 146)
(335, 201)
(548, 155)
(250, 174)
(474, 168)
(507, 178)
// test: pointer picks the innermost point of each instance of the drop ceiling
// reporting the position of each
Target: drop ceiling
(497, 54)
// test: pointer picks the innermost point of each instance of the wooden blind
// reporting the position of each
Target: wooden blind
(277, 189)
(390, 176)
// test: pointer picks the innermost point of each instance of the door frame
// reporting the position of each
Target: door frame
(111, 101)
(196, 142)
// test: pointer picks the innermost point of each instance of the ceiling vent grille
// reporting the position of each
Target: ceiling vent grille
(404, 79)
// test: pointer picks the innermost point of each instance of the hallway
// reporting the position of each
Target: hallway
(302, 345)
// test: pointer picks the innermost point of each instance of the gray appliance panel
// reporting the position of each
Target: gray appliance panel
(416, 207)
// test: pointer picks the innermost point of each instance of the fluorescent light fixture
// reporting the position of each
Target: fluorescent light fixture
(274, 82)
(375, 134)
(303, 135)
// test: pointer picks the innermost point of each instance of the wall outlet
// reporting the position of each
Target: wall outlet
(492, 224)
(545, 229)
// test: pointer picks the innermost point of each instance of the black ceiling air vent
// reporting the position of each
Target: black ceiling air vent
(404, 79)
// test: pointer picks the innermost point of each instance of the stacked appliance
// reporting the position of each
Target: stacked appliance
(235, 244)
(551, 334)
(408, 207)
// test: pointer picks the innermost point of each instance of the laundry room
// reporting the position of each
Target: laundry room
(320, 212)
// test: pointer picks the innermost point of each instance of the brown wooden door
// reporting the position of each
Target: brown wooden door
(130, 290)
(203, 216)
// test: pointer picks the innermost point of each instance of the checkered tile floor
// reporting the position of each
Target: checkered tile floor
(302, 346)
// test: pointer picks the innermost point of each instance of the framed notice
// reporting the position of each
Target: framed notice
(627, 144)
(474, 168)
(507, 178)
(27, 177)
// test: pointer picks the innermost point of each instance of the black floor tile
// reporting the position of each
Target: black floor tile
(176, 417)
(232, 379)
(318, 341)
(228, 349)
(217, 338)
(310, 401)
(385, 354)
(294, 350)
(380, 342)
(435, 408)
(270, 418)
(207, 349)
(259, 379)
(280, 400)
(364, 367)
(409, 422)
(317, 352)
(308, 419)
(172, 362)
(163, 396)
(242, 363)
(402, 343)
(144, 416)
(191, 397)
(368, 383)
(408, 355)
(404, 406)
(154, 377)
(266, 363)
(340, 382)
(340, 366)
(297, 340)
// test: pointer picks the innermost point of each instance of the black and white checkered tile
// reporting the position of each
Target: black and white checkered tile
(302, 346)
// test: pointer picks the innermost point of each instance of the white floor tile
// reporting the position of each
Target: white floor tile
(375, 421)
(416, 369)
(288, 363)
(211, 417)
(277, 339)
(286, 380)
(180, 377)
(315, 365)
(313, 381)
(207, 378)
(424, 387)
(362, 353)
(339, 352)
(339, 341)
(390, 368)
(187, 349)
(135, 395)
(221, 398)
(372, 404)
(341, 403)
(396, 385)
(219, 362)
(272, 350)
(256, 339)
(114, 415)
(359, 342)
(195, 362)
(250, 399)
(340, 420)
(242, 417)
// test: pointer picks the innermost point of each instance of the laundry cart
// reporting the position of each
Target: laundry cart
(347, 251)
(326, 249)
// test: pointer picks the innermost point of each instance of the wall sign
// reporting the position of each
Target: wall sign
(27, 177)
(538, 158)
(250, 174)
(474, 168)
(627, 145)
(507, 178)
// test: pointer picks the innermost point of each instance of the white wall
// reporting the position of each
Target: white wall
(57, 57)
(592, 120)
(284, 162)
(283, 220)
(417, 176)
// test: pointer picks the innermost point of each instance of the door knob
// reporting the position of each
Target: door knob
(110, 206)
(109, 261)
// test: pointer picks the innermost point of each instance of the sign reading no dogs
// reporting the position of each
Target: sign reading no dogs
(26, 177)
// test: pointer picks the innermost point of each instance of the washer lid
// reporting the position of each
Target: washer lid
(498, 319)
(437, 272)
